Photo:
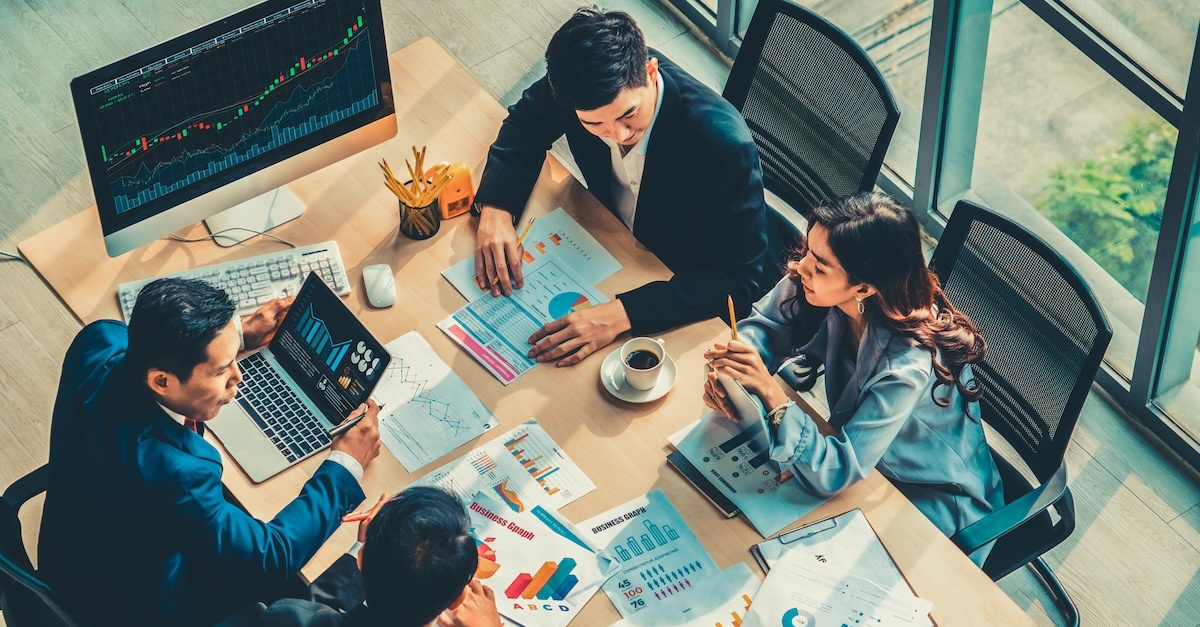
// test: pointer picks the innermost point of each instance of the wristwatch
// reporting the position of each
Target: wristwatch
(775, 416)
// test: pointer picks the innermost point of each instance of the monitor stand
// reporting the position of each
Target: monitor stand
(261, 213)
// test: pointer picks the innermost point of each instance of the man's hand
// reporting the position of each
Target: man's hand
(497, 256)
(742, 362)
(259, 327)
(362, 526)
(478, 609)
(579, 333)
(362, 440)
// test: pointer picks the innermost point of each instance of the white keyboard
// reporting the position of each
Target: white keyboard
(253, 281)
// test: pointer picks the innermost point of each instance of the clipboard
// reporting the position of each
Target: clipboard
(845, 536)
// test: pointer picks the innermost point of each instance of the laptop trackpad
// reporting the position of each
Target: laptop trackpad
(246, 444)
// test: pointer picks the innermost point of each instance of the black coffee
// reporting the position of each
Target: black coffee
(642, 360)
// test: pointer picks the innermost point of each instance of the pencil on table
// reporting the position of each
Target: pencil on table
(732, 318)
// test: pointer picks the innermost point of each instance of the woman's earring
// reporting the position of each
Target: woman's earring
(862, 309)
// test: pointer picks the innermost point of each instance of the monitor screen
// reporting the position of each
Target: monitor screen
(227, 100)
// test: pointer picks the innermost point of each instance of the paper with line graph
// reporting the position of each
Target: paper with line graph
(522, 468)
(539, 570)
(555, 235)
(430, 411)
(661, 560)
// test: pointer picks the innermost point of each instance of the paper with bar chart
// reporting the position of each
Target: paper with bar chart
(555, 235)
(540, 577)
(661, 560)
(522, 468)
(721, 601)
(735, 456)
(430, 411)
(496, 330)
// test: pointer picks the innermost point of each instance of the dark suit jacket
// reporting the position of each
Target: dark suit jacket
(335, 601)
(701, 207)
(136, 528)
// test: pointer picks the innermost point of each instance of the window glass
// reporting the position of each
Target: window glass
(1072, 155)
(1159, 35)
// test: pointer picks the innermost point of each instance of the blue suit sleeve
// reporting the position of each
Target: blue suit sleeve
(256, 552)
(828, 464)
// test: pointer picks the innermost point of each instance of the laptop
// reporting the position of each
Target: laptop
(320, 366)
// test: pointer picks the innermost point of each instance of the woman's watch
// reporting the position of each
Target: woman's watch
(775, 416)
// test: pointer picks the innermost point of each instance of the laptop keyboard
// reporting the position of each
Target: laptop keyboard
(278, 411)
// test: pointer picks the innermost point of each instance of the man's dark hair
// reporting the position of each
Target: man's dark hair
(418, 556)
(172, 324)
(593, 57)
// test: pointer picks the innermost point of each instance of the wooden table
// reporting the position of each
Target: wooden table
(621, 447)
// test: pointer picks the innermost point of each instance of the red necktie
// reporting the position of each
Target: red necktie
(191, 425)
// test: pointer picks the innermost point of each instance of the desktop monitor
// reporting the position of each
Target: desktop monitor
(211, 124)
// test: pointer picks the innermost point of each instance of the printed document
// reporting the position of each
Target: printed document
(430, 410)
(556, 235)
(521, 468)
(660, 558)
(722, 600)
(496, 329)
(534, 562)
(735, 457)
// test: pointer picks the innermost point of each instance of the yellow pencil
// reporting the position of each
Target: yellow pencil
(525, 232)
(732, 318)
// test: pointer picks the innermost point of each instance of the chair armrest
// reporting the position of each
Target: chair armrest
(1014, 514)
(27, 487)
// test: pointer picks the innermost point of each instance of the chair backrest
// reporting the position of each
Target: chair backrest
(818, 108)
(1046, 332)
(25, 600)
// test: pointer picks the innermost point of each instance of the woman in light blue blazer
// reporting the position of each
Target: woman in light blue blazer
(859, 300)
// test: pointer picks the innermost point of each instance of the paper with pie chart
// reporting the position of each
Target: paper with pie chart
(429, 410)
(540, 571)
(555, 235)
(496, 329)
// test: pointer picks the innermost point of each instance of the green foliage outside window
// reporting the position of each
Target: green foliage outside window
(1111, 205)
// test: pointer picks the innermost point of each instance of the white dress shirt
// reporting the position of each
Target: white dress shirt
(628, 167)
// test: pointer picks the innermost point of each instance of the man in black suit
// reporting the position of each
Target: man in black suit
(664, 153)
(417, 560)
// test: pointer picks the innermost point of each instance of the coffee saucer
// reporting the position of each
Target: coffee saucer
(612, 374)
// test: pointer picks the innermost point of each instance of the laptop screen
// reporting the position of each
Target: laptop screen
(328, 352)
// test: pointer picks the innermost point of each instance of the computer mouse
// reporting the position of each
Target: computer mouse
(380, 285)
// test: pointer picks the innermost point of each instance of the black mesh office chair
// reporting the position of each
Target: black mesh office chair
(820, 112)
(1046, 336)
(25, 600)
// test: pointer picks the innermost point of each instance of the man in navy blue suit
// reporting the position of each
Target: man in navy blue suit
(136, 528)
(669, 157)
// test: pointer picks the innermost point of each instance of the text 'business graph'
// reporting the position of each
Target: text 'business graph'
(218, 104)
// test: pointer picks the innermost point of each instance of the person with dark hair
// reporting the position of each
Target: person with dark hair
(417, 560)
(859, 300)
(664, 153)
(136, 528)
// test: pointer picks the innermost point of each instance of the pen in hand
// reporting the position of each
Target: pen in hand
(349, 423)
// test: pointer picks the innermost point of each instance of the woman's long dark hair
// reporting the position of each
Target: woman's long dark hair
(878, 242)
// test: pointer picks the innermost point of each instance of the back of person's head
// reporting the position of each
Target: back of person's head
(418, 556)
(172, 324)
(877, 241)
(594, 56)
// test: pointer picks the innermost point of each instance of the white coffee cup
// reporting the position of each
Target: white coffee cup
(643, 378)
